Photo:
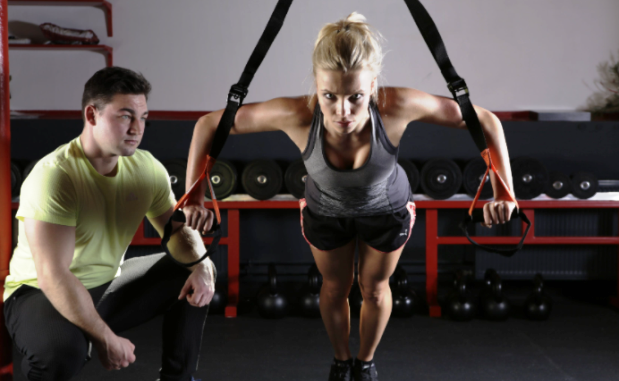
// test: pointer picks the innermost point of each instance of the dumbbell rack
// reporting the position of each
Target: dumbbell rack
(433, 240)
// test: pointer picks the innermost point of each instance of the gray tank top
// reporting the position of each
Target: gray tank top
(379, 186)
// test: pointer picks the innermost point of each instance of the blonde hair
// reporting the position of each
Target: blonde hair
(349, 44)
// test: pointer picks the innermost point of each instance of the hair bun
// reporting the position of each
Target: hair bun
(356, 17)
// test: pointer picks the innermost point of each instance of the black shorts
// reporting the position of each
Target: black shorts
(385, 233)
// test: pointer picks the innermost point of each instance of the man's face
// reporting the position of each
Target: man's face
(120, 125)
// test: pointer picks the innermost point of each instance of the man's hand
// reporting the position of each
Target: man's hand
(200, 286)
(198, 217)
(498, 212)
(115, 352)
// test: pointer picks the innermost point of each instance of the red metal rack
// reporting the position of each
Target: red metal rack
(104, 5)
(433, 240)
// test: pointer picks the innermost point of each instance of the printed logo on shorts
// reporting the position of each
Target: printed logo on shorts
(405, 232)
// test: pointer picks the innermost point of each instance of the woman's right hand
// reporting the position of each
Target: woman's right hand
(198, 217)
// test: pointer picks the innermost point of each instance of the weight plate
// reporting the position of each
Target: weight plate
(177, 170)
(16, 180)
(28, 169)
(223, 178)
(262, 179)
(411, 172)
(530, 177)
(473, 172)
(584, 185)
(441, 178)
(294, 178)
(558, 185)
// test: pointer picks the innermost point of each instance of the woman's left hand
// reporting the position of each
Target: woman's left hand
(497, 212)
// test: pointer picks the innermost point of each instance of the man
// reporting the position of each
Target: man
(79, 209)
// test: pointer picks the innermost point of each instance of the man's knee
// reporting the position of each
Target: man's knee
(59, 359)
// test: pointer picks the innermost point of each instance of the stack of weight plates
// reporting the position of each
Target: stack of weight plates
(262, 179)
(223, 179)
(411, 172)
(295, 177)
(530, 177)
(440, 178)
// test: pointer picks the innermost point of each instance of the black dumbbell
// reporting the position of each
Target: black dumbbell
(219, 301)
(403, 297)
(494, 306)
(271, 304)
(460, 306)
(538, 306)
(310, 299)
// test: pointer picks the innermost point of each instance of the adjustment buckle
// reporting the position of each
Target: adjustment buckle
(458, 88)
(237, 93)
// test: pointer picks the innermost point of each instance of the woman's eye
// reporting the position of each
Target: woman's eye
(357, 97)
(329, 96)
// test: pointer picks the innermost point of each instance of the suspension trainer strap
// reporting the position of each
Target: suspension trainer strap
(460, 92)
(236, 96)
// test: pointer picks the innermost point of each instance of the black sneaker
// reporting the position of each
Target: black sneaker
(364, 371)
(341, 370)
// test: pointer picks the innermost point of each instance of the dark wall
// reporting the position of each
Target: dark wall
(274, 235)
(562, 146)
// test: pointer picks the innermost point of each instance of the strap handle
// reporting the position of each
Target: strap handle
(478, 216)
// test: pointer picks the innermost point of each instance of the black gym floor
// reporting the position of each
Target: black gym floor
(579, 342)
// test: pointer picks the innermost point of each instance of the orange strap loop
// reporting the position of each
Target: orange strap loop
(206, 173)
(485, 154)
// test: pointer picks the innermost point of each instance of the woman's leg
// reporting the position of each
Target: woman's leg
(375, 268)
(336, 267)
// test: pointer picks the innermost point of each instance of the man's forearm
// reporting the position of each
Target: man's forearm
(186, 245)
(69, 296)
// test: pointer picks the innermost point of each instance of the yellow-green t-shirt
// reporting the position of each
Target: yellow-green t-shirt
(65, 189)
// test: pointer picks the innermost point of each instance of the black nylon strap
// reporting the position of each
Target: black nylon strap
(236, 95)
(457, 85)
(460, 92)
(238, 92)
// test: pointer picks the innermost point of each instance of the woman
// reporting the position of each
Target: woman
(356, 193)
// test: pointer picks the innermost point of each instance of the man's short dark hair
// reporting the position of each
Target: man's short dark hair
(104, 84)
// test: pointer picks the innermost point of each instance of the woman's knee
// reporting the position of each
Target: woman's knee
(374, 292)
(336, 290)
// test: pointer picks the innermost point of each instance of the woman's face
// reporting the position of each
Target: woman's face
(344, 98)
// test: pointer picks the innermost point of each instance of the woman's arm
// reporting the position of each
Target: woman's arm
(285, 114)
(408, 105)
